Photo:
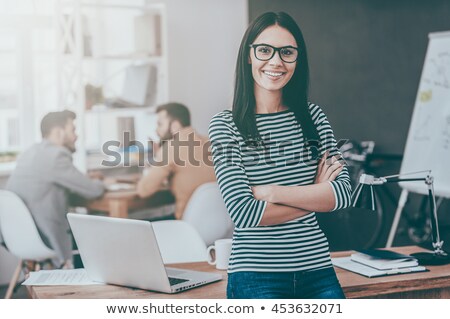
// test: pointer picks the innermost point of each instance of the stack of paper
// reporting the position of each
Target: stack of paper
(376, 263)
(58, 277)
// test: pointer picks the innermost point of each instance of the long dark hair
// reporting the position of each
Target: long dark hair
(295, 93)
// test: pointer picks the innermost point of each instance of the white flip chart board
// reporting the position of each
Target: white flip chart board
(428, 142)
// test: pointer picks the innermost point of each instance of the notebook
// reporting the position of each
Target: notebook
(125, 252)
(348, 264)
(384, 259)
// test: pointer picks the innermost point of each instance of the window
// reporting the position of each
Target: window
(27, 72)
(9, 98)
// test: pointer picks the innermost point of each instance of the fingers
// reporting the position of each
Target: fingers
(333, 168)
(324, 157)
(336, 173)
(322, 162)
(329, 168)
(333, 159)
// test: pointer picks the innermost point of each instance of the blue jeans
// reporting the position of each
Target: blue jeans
(314, 284)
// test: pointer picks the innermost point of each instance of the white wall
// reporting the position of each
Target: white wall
(203, 42)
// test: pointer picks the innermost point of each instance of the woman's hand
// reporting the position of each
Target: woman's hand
(263, 192)
(328, 170)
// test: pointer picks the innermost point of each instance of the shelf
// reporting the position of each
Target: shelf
(142, 109)
(98, 29)
(132, 58)
(137, 58)
(149, 7)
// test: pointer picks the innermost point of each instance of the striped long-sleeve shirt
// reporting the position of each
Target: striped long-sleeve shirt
(281, 159)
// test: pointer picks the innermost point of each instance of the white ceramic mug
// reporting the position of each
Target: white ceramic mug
(222, 248)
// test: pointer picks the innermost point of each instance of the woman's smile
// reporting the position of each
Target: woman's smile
(274, 75)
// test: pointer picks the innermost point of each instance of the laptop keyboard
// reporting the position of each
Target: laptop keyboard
(175, 281)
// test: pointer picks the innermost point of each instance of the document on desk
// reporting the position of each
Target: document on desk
(348, 264)
(120, 187)
(59, 277)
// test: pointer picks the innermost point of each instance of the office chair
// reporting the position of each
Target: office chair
(21, 236)
(179, 242)
(206, 211)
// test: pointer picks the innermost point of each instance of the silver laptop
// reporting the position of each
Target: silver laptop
(125, 252)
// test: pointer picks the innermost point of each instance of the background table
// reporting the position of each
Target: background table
(120, 203)
(117, 203)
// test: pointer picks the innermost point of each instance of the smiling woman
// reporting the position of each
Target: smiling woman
(277, 163)
(270, 71)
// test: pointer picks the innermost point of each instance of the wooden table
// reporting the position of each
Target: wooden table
(432, 284)
(117, 203)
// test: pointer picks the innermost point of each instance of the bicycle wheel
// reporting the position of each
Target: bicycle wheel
(353, 228)
(419, 225)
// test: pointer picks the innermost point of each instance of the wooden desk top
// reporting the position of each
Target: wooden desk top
(214, 290)
(119, 203)
(409, 285)
(432, 284)
(122, 194)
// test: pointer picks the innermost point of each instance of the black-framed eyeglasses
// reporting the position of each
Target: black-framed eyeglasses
(265, 52)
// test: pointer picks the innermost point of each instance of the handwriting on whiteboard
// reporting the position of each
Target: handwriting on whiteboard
(438, 72)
